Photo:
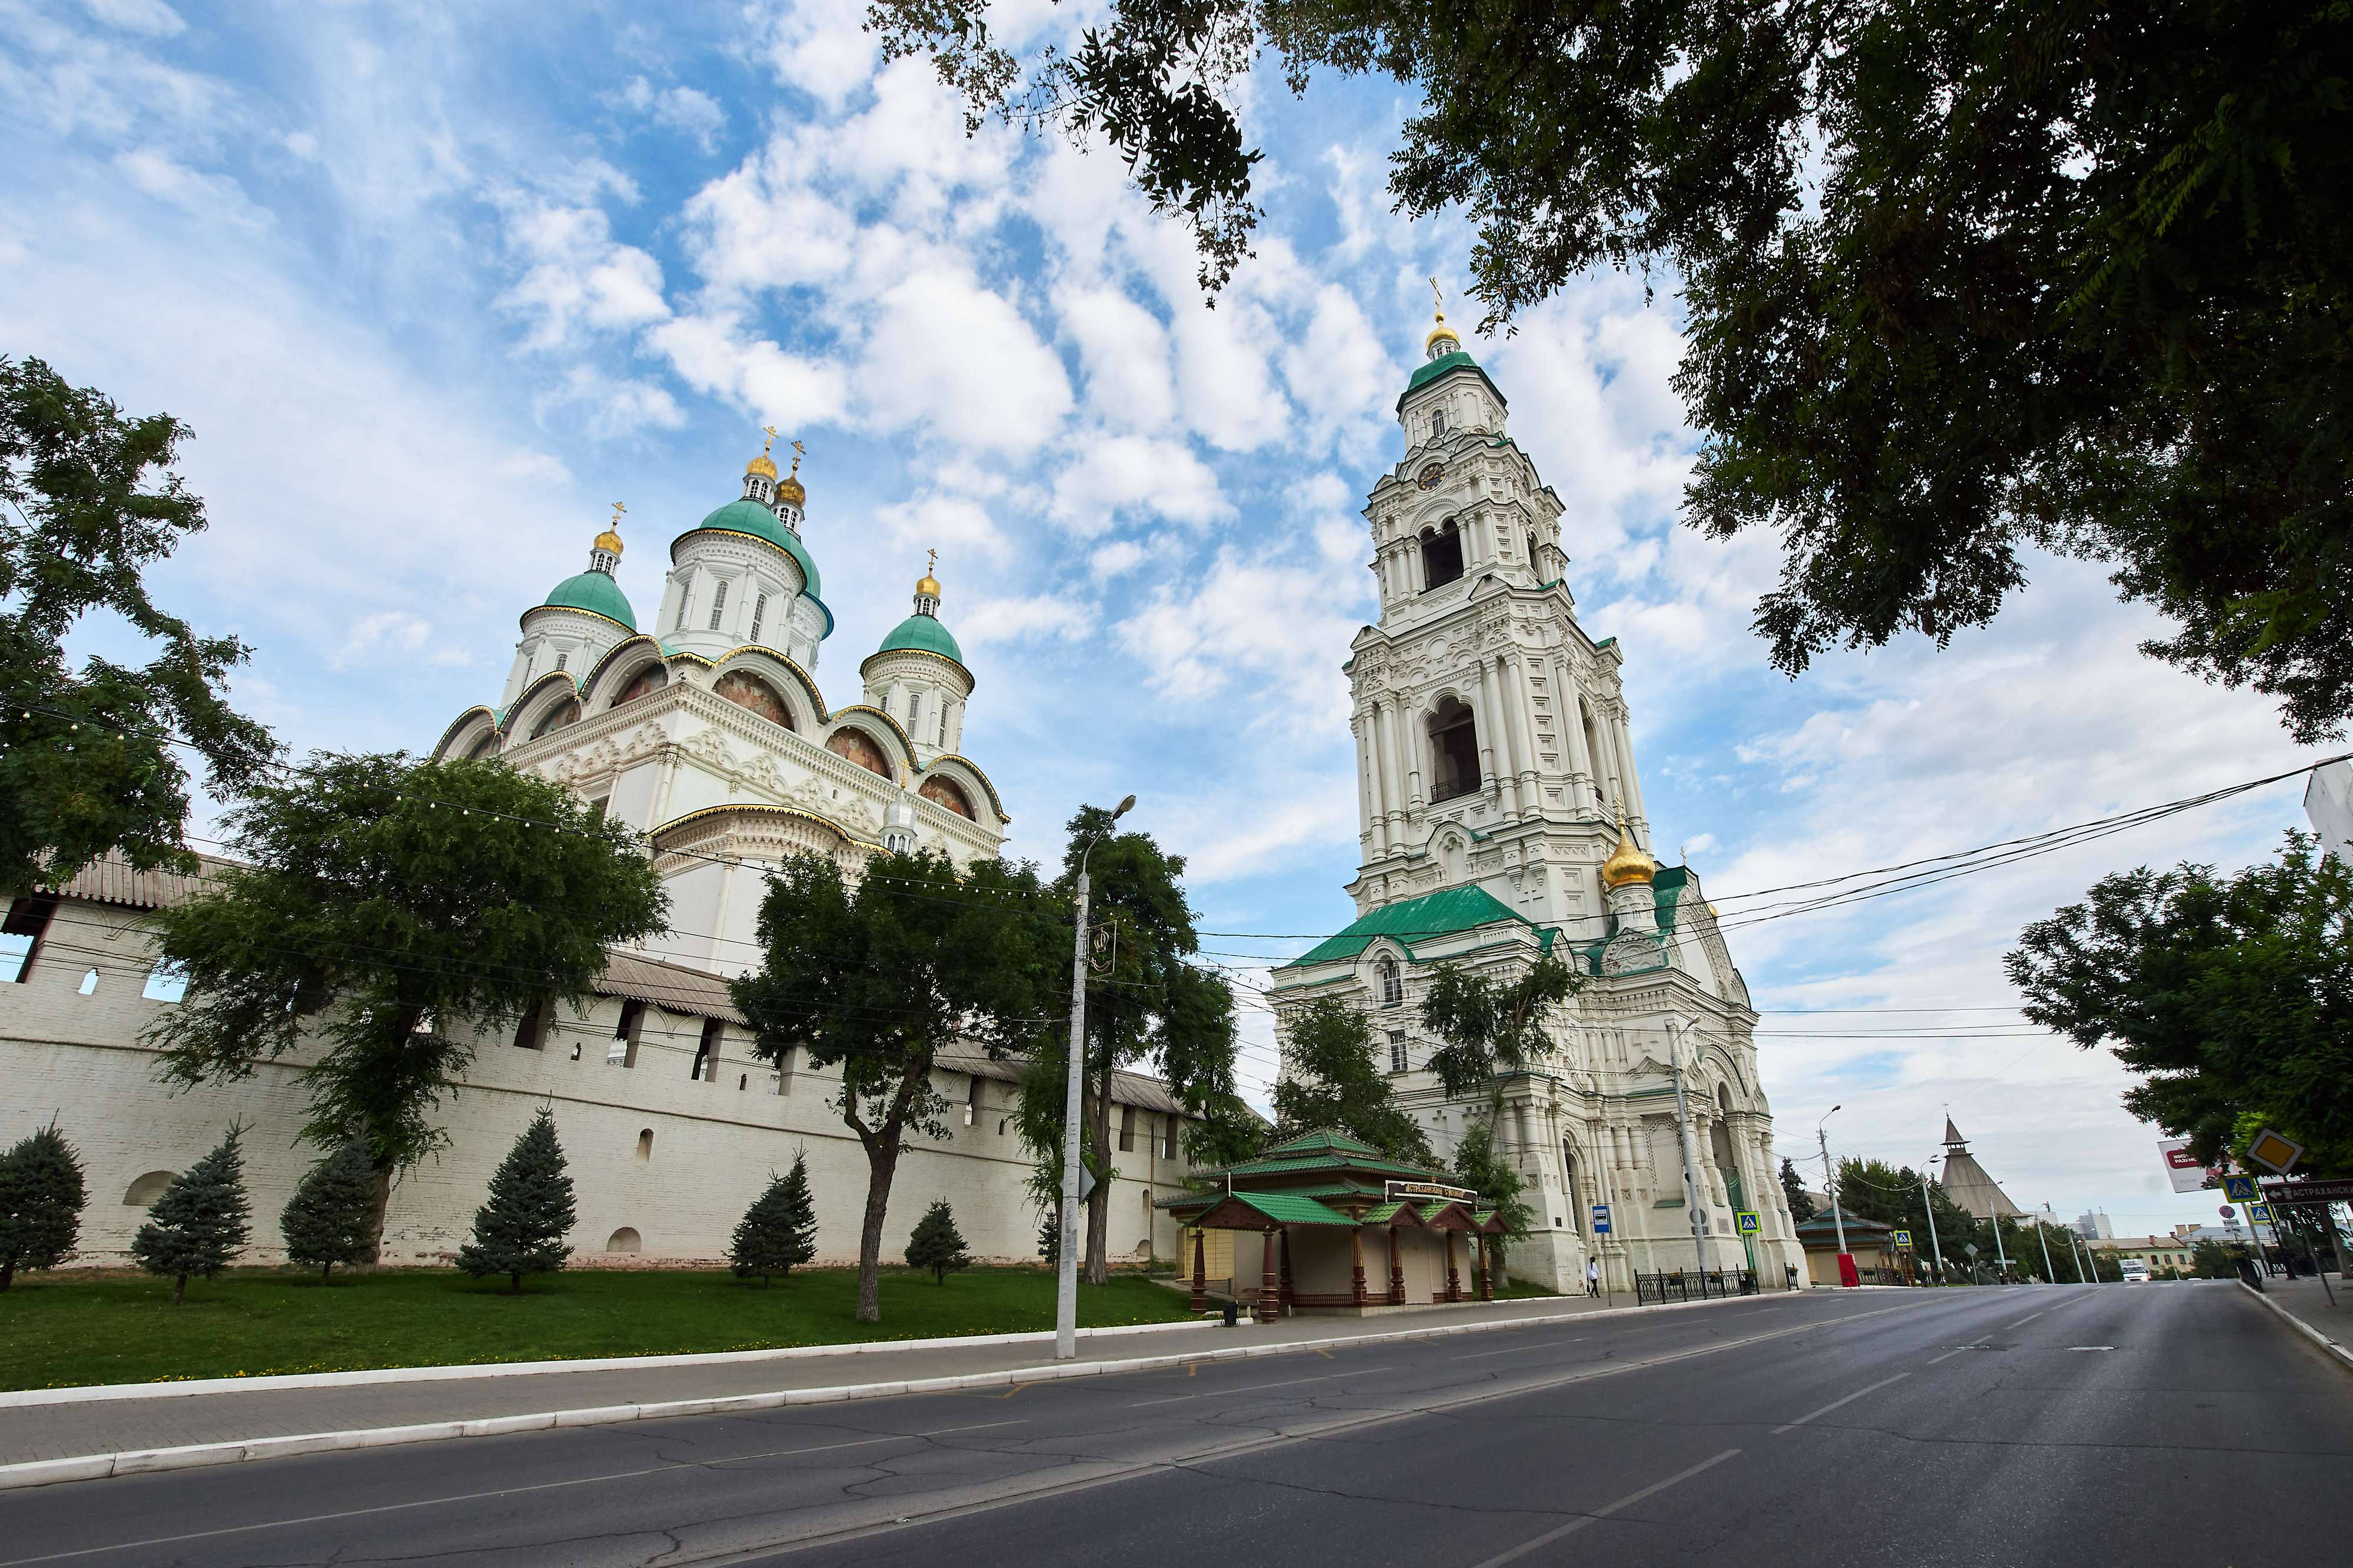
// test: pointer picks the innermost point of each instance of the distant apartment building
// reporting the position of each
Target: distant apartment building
(2093, 1225)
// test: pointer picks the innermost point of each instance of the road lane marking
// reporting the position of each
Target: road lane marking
(1515, 1349)
(1287, 1382)
(983, 1426)
(1628, 1500)
(2028, 1319)
(1834, 1403)
(1954, 1352)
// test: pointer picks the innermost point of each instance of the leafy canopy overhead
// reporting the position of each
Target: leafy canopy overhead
(2231, 995)
(1333, 1081)
(1963, 279)
(86, 505)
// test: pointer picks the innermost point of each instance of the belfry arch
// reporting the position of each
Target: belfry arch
(1453, 750)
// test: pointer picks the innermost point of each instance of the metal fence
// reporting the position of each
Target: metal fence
(1693, 1286)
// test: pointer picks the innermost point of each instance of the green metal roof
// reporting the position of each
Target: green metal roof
(1424, 375)
(1445, 913)
(925, 634)
(596, 592)
(1290, 1208)
(750, 516)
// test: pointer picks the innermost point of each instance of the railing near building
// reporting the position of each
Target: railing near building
(1693, 1286)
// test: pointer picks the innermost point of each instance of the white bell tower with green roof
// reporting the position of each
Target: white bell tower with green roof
(1500, 821)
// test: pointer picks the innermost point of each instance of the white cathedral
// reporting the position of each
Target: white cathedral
(1501, 821)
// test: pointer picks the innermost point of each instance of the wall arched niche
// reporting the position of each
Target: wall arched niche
(144, 1192)
(745, 689)
(1454, 750)
(949, 794)
(565, 712)
(483, 747)
(625, 1239)
(855, 745)
(645, 683)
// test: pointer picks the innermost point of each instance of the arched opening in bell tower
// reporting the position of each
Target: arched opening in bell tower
(1453, 750)
(1442, 555)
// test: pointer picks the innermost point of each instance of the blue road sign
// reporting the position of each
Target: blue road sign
(1601, 1219)
(2241, 1190)
(2260, 1213)
(1747, 1219)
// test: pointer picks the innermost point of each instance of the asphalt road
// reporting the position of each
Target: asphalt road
(2142, 1425)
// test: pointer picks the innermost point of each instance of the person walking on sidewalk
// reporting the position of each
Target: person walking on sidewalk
(1592, 1277)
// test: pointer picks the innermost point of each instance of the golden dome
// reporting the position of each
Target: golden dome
(928, 586)
(1627, 863)
(1439, 331)
(763, 465)
(789, 488)
(609, 540)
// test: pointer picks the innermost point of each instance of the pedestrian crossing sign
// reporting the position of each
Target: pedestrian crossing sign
(1902, 1239)
(1748, 1218)
(2261, 1214)
(2241, 1189)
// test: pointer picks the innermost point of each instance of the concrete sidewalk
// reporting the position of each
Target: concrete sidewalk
(140, 1424)
(2306, 1303)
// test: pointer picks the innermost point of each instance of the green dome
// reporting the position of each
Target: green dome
(1425, 373)
(596, 592)
(750, 516)
(924, 633)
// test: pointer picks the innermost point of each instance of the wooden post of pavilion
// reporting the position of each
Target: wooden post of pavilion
(1270, 1301)
(1287, 1295)
(1201, 1272)
(1454, 1279)
(1396, 1272)
(1357, 1268)
(1486, 1270)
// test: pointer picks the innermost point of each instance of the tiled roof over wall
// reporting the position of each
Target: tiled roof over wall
(112, 880)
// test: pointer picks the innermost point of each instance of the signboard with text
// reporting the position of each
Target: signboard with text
(2288, 1195)
(1426, 1192)
(1601, 1219)
(2185, 1173)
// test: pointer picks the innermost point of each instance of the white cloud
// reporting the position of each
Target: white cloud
(681, 108)
(723, 356)
(822, 47)
(1124, 350)
(212, 197)
(1116, 559)
(993, 621)
(959, 365)
(1109, 477)
(393, 637)
(576, 277)
(954, 525)
(150, 18)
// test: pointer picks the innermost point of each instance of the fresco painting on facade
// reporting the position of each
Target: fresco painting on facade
(1500, 819)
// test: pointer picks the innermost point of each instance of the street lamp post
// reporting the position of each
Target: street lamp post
(2042, 1234)
(1830, 1186)
(1066, 1284)
(1929, 1207)
(1691, 1174)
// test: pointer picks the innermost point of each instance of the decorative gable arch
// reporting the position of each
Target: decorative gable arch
(797, 693)
(549, 691)
(466, 733)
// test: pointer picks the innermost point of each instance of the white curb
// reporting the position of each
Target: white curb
(2343, 1357)
(143, 1461)
(22, 1398)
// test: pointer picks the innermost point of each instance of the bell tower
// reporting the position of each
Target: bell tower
(1492, 747)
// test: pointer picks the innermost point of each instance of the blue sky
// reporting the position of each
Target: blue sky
(435, 286)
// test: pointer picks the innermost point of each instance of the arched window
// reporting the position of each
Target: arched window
(759, 614)
(685, 603)
(858, 747)
(748, 690)
(945, 792)
(1532, 549)
(718, 604)
(144, 1192)
(565, 712)
(646, 682)
(1392, 982)
(1723, 1098)
(1442, 555)
(1453, 750)
(625, 1239)
(483, 747)
(645, 1145)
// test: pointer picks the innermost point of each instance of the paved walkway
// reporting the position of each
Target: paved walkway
(2309, 1304)
(112, 1426)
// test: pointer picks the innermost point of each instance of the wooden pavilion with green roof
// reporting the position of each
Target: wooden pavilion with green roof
(1309, 1206)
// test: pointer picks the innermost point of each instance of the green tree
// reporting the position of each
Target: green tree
(388, 908)
(2230, 995)
(1050, 1237)
(1962, 280)
(1497, 1181)
(936, 1244)
(1793, 1188)
(779, 1230)
(86, 764)
(2212, 1260)
(872, 981)
(41, 1197)
(201, 1222)
(524, 1228)
(332, 1216)
(1333, 1080)
(1146, 1004)
(1228, 1133)
(1491, 1027)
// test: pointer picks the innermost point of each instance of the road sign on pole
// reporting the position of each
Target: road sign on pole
(2260, 1213)
(1902, 1239)
(1747, 1220)
(2241, 1189)
(2271, 1150)
(1601, 1219)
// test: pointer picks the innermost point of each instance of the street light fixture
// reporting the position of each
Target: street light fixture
(1691, 1208)
(1066, 1284)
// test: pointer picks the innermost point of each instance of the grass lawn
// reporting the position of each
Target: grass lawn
(59, 1330)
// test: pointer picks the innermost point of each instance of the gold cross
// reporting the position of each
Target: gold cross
(1437, 295)
(617, 510)
(933, 569)
(771, 432)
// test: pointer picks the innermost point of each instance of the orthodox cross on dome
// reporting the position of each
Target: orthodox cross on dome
(770, 432)
(605, 554)
(618, 507)
(927, 592)
(1441, 341)
(1439, 297)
